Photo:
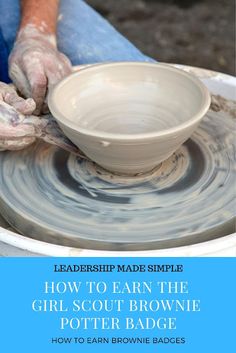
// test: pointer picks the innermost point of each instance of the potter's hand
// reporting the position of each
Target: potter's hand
(35, 63)
(9, 95)
(19, 128)
(18, 131)
(13, 135)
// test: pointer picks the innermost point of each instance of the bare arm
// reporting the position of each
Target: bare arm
(40, 13)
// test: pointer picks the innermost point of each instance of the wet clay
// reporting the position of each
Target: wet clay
(69, 201)
(219, 103)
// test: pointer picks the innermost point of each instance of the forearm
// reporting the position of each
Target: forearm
(40, 13)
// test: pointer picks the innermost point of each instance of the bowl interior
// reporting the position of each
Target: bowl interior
(128, 98)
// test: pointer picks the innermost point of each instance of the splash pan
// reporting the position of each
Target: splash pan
(58, 198)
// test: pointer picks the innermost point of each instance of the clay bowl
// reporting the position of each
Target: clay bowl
(128, 117)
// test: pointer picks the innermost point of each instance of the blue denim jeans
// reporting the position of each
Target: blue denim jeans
(83, 35)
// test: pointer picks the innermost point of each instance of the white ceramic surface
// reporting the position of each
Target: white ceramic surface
(129, 117)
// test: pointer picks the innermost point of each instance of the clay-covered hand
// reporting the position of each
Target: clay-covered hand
(35, 64)
(19, 128)
(13, 134)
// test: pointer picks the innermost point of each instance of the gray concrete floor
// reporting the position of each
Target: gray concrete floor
(191, 32)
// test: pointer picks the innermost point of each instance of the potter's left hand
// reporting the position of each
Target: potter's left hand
(13, 134)
(35, 64)
(19, 128)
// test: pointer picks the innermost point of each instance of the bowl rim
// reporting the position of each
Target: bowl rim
(60, 118)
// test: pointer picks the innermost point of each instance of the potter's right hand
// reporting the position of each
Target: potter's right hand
(35, 64)
(14, 135)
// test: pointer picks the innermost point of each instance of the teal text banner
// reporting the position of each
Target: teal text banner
(117, 305)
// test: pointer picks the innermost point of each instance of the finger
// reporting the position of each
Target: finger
(54, 76)
(16, 144)
(19, 79)
(45, 109)
(24, 106)
(38, 83)
(54, 73)
(8, 132)
(65, 67)
(9, 95)
(38, 123)
(4, 89)
(67, 64)
(9, 115)
(57, 69)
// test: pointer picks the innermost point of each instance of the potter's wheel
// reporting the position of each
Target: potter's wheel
(55, 197)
